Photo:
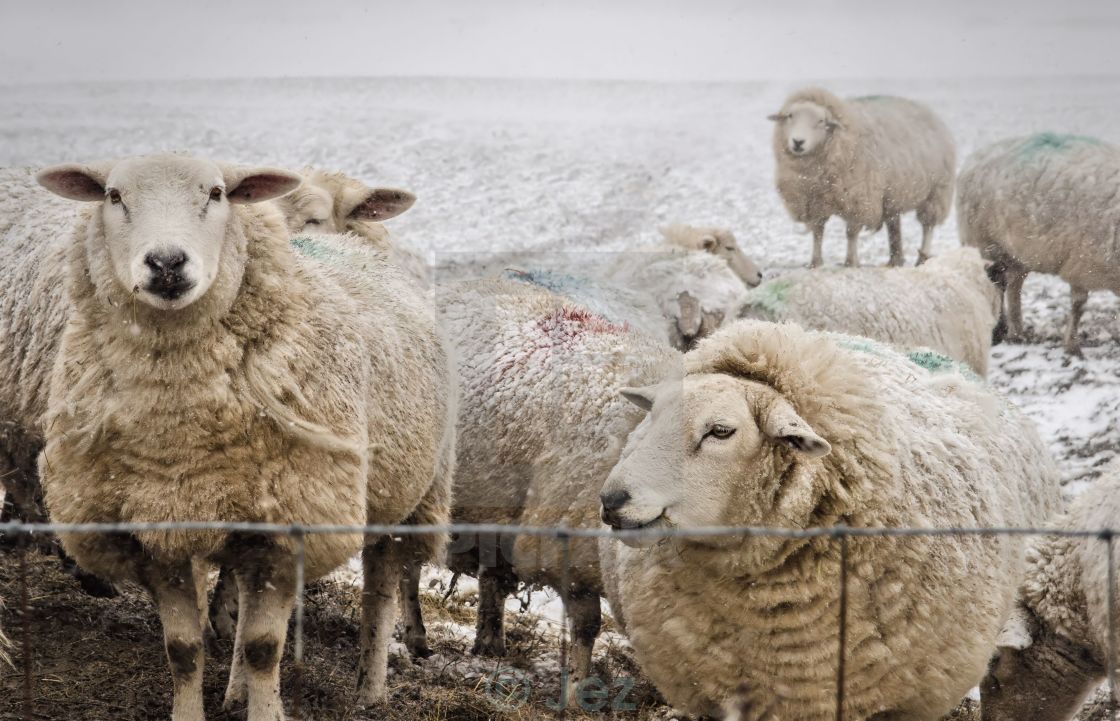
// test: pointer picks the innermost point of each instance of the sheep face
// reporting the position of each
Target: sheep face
(805, 126)
(308, 210)
(707, 453)
(165, 219)
(722, 243)
(334, 203)
(1035, 674)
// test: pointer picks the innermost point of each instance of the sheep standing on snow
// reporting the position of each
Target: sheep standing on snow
(191, 383)
(336, 203)
(1047, 204)
(1053, 651)
(776, 426)
(868, 160)
(948, 304)
(540, 426)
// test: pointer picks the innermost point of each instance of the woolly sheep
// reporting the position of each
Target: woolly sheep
(948, 304)
(868, 160)
(776, 426)
(335, 203)
(1053, 651)
(540, 425)
(190, 383)
(720, 242)
(1045, 203)
(696, 291)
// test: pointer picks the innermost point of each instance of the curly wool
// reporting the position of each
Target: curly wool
(910, 448)
(890, 156)
(947, 304)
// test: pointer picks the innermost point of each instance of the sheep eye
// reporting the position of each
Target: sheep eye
(720, 431)
(313, 221)
(215, 194)
(114, 196)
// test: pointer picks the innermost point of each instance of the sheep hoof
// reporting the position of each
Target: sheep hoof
(895, 263)
(420, 650)
(922, 257)
(495, 648)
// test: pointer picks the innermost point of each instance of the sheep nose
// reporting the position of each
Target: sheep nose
(798, 144)
(612, 501)
(166, 262)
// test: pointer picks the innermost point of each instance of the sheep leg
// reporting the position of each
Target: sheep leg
(926, 251)
(894, 239)
(1078, 298)
(381, 569)
(495, 583)
(176, 598)
(818, 243)
(584, 623)
(852, 258)
(223, 609)
(1014, 304)
(415, 634)
(267, 594)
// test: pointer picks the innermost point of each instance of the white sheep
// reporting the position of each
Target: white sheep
(191, 383)
(335, 203)
(720, 242)
(948, 304)
(1045, 203)
(868, 160)
(540, 426)
(1054, 649)
(776, 426)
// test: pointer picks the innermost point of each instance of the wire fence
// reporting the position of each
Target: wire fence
(298, 533)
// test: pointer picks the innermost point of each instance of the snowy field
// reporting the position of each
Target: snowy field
(563, 166)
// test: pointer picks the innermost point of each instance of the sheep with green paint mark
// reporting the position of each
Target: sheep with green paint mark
(1045, 203)
(867, 160)
(948, 304)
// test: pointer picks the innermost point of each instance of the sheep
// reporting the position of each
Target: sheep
(1053, 650)
(540, 425)
(949, 304)
(720, 242)
(334, 203)
(1045, 203)
(776, 426)
(868, 160)
(191, 382)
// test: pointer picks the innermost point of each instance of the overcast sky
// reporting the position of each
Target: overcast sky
(56, 40)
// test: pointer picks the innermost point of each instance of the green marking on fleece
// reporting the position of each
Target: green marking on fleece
(861, 345)
(311, 248)
(770, 296)
(931, 360)
(1053, 141)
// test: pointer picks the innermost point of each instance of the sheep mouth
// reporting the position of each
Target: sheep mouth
(623, 525)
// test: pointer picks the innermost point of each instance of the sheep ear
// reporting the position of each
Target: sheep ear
(1016, 632)
(691, 316)
(832, 125)
(641, 397)
(782, 425)
(381, 204)
(75, 181)
(777, 117)
(252, 185)
(709, 243)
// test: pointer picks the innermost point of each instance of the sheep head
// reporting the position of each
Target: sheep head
(805, 126)
(713, 449)
(720, 243)
(165, 219)
(1036, 673)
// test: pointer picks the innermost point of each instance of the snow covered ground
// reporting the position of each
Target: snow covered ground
(564, 166)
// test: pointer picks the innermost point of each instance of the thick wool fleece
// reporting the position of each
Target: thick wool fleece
(889, 156)
(947, 304)
(756, 620)
(292, 392)
(541, 420)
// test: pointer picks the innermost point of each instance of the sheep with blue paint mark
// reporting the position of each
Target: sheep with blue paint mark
(868, 160)
(776, 426)
(948, 304)
(1045, 203)
(333, 202)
